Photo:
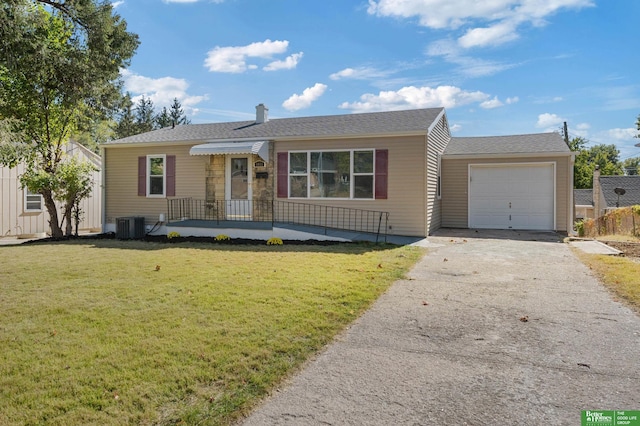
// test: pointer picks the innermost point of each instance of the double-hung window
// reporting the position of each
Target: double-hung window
(156, 175)
(32, 201)
(331, 174)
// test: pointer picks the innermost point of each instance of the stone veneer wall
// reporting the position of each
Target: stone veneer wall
(263, 189)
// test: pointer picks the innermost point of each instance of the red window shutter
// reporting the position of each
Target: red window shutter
(171, 176)
(283, 175)
(142, 176)
(382, 165)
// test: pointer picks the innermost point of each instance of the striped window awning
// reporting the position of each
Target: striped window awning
(260, 148)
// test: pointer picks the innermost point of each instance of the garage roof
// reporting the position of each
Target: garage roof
(538, 143)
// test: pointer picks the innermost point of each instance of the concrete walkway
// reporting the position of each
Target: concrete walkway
(489, 328)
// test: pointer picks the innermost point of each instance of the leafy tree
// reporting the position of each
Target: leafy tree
(163, 119)
(177, 113)
(126, 125)
(604, 156)
(143, 118)
(631, 166)
(144, 115)
(638, 126)
(94, 134)
(59, 66)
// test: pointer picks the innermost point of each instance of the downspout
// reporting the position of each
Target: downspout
(103, 196)
(572, 213)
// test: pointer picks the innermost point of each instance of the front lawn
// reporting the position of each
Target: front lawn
(109, 332)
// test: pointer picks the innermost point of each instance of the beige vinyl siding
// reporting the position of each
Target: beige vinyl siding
(406, 191)
(436, 143)
(455, 206)
(15, 221)
(121, 181)
(91, 206)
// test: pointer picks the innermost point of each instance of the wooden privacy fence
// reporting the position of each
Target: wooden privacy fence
(622, 221)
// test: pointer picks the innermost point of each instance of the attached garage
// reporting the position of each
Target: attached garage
(512, 196)
(508, 182)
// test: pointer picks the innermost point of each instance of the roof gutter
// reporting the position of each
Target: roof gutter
(510, 155)
(257, 139)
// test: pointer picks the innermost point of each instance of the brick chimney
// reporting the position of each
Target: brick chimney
(596, 192)
(262, 114)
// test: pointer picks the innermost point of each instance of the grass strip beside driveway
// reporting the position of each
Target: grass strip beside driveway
(620, 275)
(109, 332)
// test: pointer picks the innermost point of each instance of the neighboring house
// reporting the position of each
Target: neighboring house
(508, 182)
(386, 169)
(24, 214)
(602, 198)
(583, 199)
(604, 194)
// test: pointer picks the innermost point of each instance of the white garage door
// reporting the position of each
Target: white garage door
(512, 196)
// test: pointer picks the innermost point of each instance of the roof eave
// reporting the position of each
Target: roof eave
(509, 155)
(271, 138)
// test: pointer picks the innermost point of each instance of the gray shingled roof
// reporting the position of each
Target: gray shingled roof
(583, 197)
(631, 184)
(376, 123)
(516, 144)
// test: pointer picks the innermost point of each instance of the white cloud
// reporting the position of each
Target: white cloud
(622, 134)
(115, 4)
(288, 63)
(415, 97)
(557, 99)
(308, 96)
(549, 122)
(456, 128)
(493, 35)
(513, 100)
(161, 91)
(233, 59)
(360, 73)
(468, 66)
(492, 103)
(489, 22)
(580, 129)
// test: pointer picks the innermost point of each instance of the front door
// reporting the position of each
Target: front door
(238, 189)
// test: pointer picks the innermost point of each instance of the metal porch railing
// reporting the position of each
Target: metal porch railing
(285, 212)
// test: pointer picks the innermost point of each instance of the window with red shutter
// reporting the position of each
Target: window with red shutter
(382, 165)
(283, 175)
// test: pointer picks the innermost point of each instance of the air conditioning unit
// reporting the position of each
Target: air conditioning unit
(128, 228)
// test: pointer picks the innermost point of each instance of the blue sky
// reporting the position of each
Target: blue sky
(497, 66)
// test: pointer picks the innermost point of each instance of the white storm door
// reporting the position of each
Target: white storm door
(238, 192)
(512, 196)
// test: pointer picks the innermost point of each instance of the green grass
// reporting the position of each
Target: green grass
(92, 333)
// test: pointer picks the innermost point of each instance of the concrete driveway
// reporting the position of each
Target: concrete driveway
(489, 328)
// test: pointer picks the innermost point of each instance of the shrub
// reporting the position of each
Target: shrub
(222, 237)
(273, 241)
(580, 228)
(173, 234)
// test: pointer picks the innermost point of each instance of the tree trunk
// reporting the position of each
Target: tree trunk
(69, 220)
(56, 231)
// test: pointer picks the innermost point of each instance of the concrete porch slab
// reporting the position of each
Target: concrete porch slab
(594, 247)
